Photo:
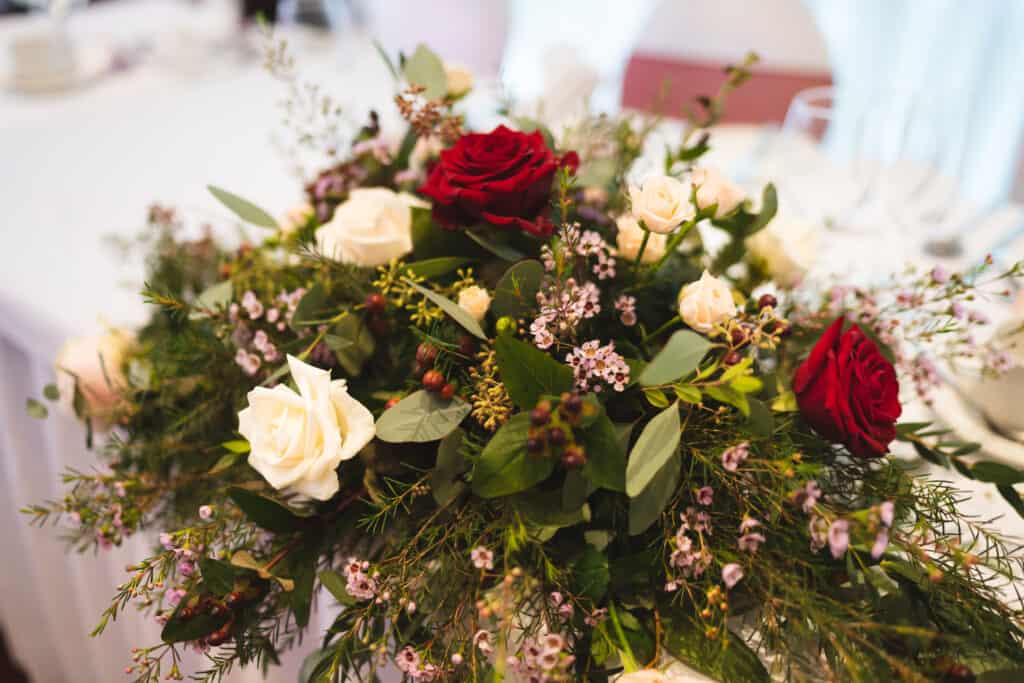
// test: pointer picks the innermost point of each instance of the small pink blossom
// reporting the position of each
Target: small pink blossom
(880, 544)
(839, 537)
(731, 574)
(205, 512)
(252, 305)
(482, 558)
(886, 512)
(705, 495)
(734, 456)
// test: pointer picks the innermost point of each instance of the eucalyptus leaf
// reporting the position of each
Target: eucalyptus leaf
(226, 462)
(516, 292)
(213, 298)
(218, 576)
(544, 509)
(504, 467)
(680, 356)
(420, 417)
(761, 422)
(354, 344)
(435, 267)
(237, 446)
(243, 208)
(335, 585)
(647, 507)
(606, 456)
(425, 68)
(445, 483)
(454, 311)
(529, 373)
(657, 443)
(996, 473)
(310, 307)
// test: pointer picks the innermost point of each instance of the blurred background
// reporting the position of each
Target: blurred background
(893, 129)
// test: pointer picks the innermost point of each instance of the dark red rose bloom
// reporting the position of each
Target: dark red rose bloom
(502, 178)
(848, 391)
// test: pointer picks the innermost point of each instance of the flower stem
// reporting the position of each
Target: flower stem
(643, 246)
(668, 325)
(673, 243)
(628, 659)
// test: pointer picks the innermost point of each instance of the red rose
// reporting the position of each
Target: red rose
(848, 391)
(502, 177)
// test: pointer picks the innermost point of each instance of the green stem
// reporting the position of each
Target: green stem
(643, 246)
(673, 243)
(667, 326)
(629, 660)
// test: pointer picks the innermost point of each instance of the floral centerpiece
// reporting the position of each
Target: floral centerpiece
(496, 397)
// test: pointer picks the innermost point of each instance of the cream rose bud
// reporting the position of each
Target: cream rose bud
(297, 440)
(371, 227)
(459, 79)
(475, 301)
(96, 365)
(787, 247)
(706, 303)
(676, 673)
(713, 189)
(631, 236)
(662, 203)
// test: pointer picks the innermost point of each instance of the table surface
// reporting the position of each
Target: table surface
(78, 167)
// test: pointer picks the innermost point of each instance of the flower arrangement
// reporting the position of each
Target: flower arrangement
(503, 405)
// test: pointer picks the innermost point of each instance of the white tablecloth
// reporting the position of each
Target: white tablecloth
(75, 168)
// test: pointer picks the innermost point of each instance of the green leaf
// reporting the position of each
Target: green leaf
(656, 397)
(516, 293)
(238, 446)
(646, 508)
(761, 422)
(335, 584)
(264, 512)
(1011, 496)
(681, 356)
(1001, 676)
(544, 509)
(606, 457)
(575, 490)
(591, 574)
(528, 125)
(214, 298)
(36, 409)
(746, 384)
(658, 442)
(730, 396)
(243, 208)
(504, 466)
(360, 344)
(317, 662)
(996, 473)
(503, 251)
(51, 392)
(528, 373)
(226, 462)
(178, 630)
(302, 569)
(218, 576)
(445, 483)
(310, 307)
(383, 54)
(435, 267)
(453, 310)
(687, 393)
(420, 417)
(426, 69)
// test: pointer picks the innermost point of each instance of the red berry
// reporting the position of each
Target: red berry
(556, 436)
(767, 301)
(732, 358)
(540, 416)
(433, 380)
(738, 336)
(376, 303)
(573, 457)
(448, 391)
(534, 445)
(426, 354)
(391, 402)
(467, 345)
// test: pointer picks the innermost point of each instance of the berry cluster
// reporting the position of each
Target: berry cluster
(551, 431)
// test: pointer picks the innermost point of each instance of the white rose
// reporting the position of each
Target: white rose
(788, 248)
(297, 440)
(371, 227)
(459, 78)
(96, 364)
(295, 218)
(631, 236)
(713, 188)
(475, 301)
(677, 673)
(662, 203)
(706, 303)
